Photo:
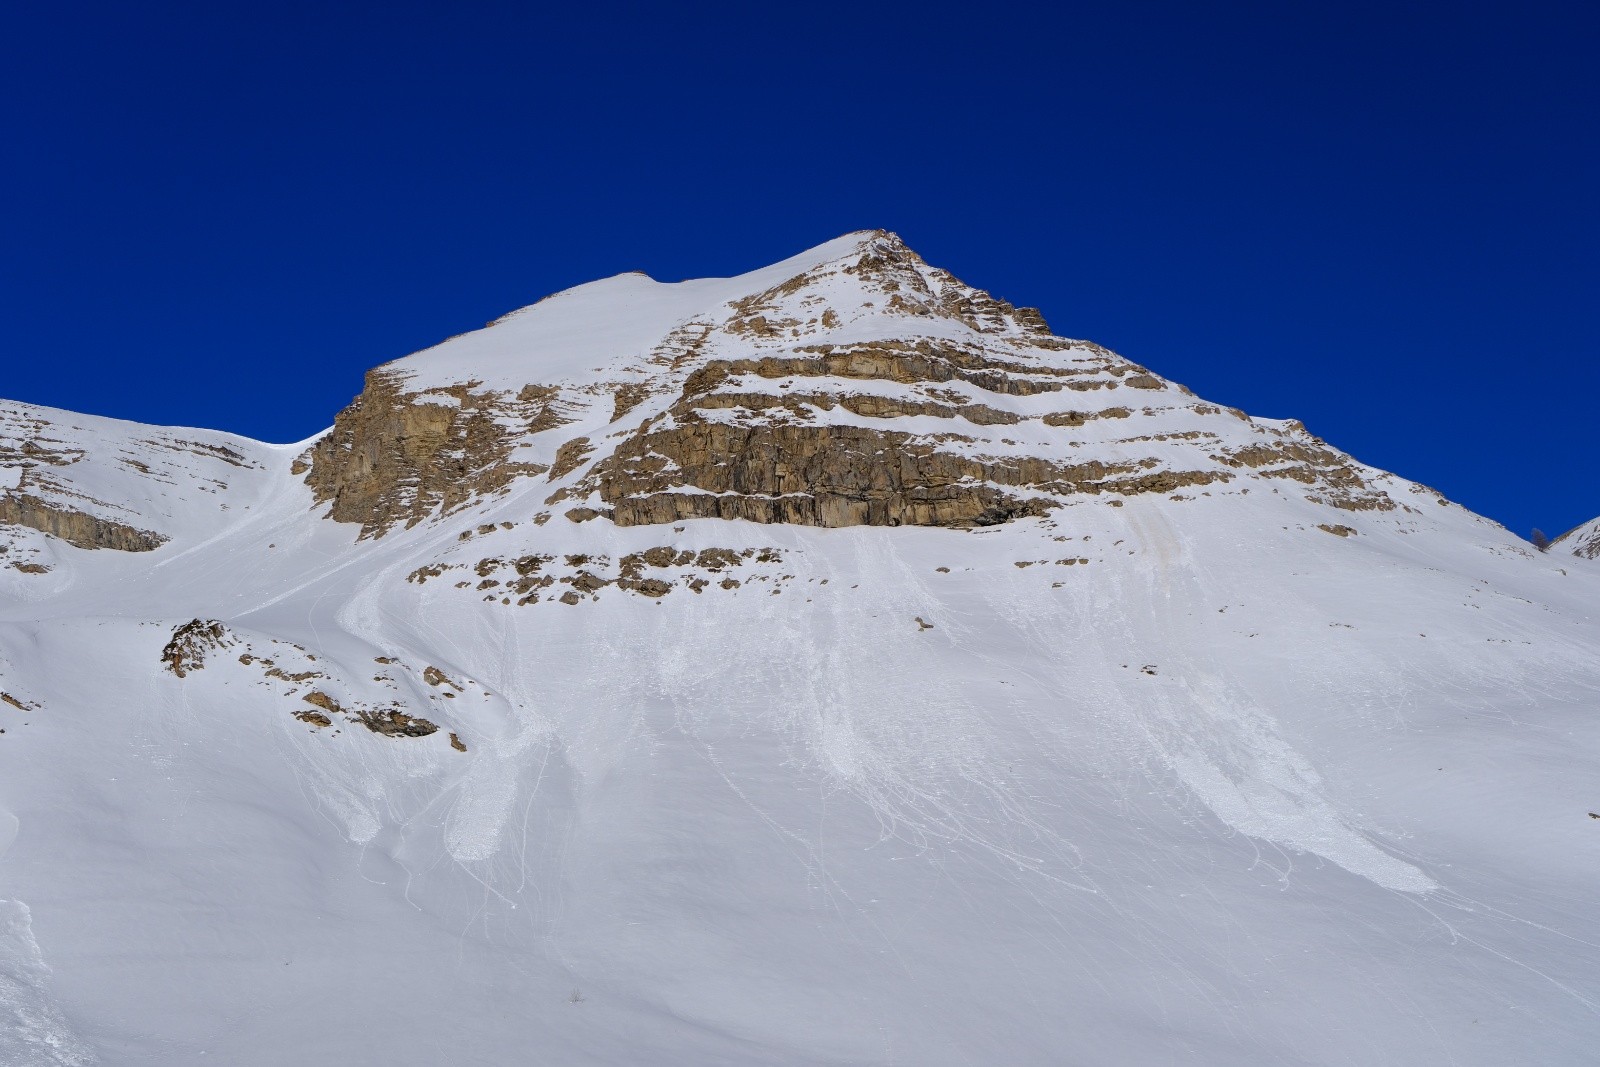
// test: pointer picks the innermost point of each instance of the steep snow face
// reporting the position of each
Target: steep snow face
(734, 672)
(1582, 541)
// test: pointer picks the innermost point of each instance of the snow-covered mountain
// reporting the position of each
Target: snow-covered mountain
(1581, 541)
(826, 665)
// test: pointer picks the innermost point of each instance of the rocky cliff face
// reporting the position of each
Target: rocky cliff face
(855, 385)
(396, 457)
(744, 441)
(864, 389)
(76, 528)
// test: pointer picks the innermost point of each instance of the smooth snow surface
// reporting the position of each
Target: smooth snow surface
(583, 331)
(1225, 789)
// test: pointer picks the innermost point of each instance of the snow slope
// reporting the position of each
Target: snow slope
(1582, 541)
(1285, 761)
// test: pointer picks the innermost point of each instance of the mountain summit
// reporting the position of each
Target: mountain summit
(828, 664)
(852, 385)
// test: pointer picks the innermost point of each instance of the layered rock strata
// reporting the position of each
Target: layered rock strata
(394, 458)
(866, 389)
(77, 528)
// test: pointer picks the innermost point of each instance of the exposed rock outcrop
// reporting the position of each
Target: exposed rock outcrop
(394, 458)
(1294, 454)
(653, 572)
(815, 401)
(190, 642)
(392, 722)
(77, 528)
(435, 677)
(765, 465)
(843, 476)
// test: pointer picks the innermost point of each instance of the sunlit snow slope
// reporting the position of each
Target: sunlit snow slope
(827, 665)
(1582, 541)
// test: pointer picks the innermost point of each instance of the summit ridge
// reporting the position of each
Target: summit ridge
(853, 384)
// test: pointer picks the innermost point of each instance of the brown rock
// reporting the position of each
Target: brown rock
(435, 677)
(569, 457)
(395, 723)
(396, 458)
(186, 651)
(77, 528)
(318, 698)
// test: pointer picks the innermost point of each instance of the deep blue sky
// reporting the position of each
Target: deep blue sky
(1381, 219)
